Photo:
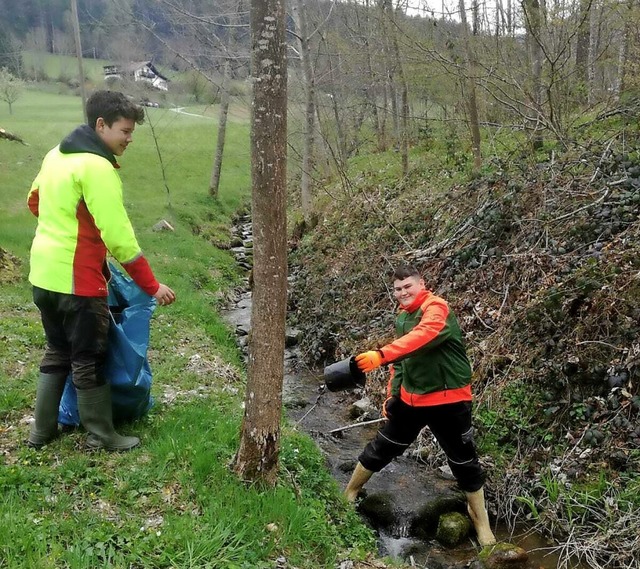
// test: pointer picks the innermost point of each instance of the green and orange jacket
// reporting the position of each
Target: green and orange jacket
(77, 198)
(430, 364)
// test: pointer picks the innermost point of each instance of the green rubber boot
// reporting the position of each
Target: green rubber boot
(48, 395)
(94, 406)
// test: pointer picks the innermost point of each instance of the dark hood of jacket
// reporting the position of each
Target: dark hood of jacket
(85, 139)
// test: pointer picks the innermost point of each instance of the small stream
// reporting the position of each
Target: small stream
(406, 486)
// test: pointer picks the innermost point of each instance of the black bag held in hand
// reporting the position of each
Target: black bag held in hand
(344, 374)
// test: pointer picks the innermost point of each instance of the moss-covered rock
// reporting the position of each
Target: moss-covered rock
(453, 528)
(425, 524)
(378, 508)
(503, 556)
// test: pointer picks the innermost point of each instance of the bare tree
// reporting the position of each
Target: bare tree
(594, 20)
(533, 14)
(582, 42)
(402, 123)
(214, 183)
(257, 457)
(472, 101)
(309, 81)
(76, 34)
(623, 50)
(10, 88)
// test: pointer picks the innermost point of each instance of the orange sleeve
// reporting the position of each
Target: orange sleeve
(431, 329)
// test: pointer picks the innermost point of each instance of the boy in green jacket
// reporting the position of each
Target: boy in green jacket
(77, 198)
(430, 386)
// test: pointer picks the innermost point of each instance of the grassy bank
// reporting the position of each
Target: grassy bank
(173, 502)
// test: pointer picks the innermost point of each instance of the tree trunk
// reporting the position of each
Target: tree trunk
(308, 74)
(534, 29)
(372, 90)
(472, 101)
(342, 141)
(214, 183)
(257, 457)
(623, 50)
(593, 54)
(385, 9)
(582, 43)
(76, 34)
(403, 126)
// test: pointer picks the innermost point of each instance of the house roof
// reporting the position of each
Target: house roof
(130, 67)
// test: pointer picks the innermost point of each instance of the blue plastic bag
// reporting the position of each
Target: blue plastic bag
(126, 367)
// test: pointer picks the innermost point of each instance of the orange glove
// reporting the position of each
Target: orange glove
(368, 361)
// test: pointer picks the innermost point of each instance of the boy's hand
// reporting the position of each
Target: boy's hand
(368, 361)
(164, 295)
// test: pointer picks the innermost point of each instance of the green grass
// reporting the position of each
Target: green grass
(62, 67)
(174, 501)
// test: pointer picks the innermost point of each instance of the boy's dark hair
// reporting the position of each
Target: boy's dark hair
(404, 272)
(111, 106)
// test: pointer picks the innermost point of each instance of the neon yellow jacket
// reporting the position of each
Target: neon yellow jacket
(77, 197)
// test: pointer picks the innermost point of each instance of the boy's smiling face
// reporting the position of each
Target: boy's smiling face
(117, 136)
(406, 290)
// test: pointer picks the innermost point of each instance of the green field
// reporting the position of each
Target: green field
(173, 502)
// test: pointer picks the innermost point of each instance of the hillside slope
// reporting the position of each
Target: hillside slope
(540, 260)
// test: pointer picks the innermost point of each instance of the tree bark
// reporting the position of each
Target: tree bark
(257, 457)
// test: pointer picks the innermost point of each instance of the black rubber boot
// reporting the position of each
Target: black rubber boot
(94, 406)
(48, 395)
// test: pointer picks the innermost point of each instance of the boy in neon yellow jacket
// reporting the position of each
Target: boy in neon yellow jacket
(77, 198)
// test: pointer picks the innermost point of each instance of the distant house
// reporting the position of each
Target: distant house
(143, 71)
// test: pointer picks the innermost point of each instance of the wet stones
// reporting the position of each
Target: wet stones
(427, 519)
(502, 556)
(378, 509)
(453, 528)
(241, 242)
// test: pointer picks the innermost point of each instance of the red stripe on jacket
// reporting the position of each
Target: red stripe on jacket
(34, 201)
(89, 258)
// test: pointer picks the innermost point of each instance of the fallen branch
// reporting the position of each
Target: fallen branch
(322, 392)
(9, 136)
(354, 425)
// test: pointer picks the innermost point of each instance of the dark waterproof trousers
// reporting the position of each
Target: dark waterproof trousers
(450, 425)
(76, 328)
